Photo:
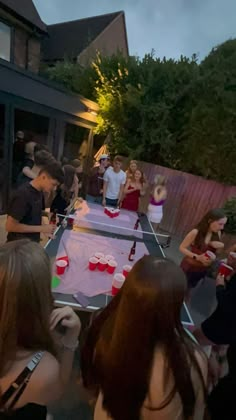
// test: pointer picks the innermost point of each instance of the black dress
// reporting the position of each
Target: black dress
(11, 396)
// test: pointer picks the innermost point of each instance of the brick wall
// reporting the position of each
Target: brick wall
(34, 48)
(20, 47)
(26, 50)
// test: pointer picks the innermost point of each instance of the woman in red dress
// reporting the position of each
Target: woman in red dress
(205, 237)
(134, 187)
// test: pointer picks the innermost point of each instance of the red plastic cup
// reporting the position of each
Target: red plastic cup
(109, 257)
(113, 213)
(111, 266)
(117, 212)
(99, 255)
(126, 270)
(105, 210)
(93, 262)
(210, 255)
(70, 221)
(102, 264)
(117, 283)
(225, 270)
(61, 266)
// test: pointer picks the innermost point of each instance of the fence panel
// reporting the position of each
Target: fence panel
(189, 197)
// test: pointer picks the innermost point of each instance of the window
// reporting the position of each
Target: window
(5, 42)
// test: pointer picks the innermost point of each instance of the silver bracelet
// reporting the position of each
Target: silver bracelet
(71, 347)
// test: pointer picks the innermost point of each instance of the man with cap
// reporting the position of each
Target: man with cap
(95, 180)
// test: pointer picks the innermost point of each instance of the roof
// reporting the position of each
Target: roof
(26, 11)
(69, 39)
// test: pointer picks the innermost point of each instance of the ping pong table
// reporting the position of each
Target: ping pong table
(92, 228)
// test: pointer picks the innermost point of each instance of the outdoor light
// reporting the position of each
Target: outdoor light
(92, 112)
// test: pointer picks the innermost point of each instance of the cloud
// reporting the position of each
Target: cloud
(170, 27)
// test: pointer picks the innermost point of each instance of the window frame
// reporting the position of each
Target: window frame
(6, 23)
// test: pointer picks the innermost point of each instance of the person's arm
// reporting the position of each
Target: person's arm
(105, 184)
(189, 240)
(126, 188)
(13, 225)
(28, 172)
(55, 375)
(121, 192)
(75, 187)
(159, 195)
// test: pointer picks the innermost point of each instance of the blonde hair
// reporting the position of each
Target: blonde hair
(26, 301)
(160, 180)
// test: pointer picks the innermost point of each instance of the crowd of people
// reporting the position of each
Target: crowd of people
(137, 359)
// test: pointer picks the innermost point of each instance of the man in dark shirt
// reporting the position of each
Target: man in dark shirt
(95, 181)
(220, 329)
(24, 216)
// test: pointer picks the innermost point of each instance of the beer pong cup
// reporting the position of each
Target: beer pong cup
(105, 210)
(126, 270)
(210, 255)
(61, 266)
(117, 283)
(102, 264)
(99, 255)
(111, 266)
(70, 221)
(109, 257)
(93, 262)
(117, 212)
(112, 213)
(225, 270)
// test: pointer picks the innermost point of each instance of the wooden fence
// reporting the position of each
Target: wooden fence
(189, 197)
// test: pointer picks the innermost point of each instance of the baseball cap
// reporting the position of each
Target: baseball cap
(20, 135)
(104, 156)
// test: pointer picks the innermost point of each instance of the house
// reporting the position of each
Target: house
(80, 40)
(44, 111)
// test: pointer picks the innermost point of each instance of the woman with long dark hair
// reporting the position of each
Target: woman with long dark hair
(137, 355)
(205, 237)
(67, 192)
(35, 361)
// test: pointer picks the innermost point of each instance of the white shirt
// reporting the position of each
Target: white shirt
(114, 181)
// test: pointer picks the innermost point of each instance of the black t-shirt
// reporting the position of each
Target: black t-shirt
(26, 206)
(220, 327)
(22, 178)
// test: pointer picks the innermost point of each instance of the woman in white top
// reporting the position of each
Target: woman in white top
(137, 355)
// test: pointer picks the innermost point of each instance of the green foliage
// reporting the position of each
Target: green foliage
(230, 211)
(176, 113)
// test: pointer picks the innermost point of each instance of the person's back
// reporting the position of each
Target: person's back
(158, 393)
(142, 363)
(36, 361)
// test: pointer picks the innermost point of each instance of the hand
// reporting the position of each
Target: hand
(104, 202)
(204, 260)
(68, 318)
(220, 280)
(49, 229)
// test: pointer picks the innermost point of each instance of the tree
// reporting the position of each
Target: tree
(176, 113)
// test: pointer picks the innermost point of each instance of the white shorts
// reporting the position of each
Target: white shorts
(155, 213)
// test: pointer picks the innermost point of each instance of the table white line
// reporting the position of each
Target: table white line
(118, 227)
